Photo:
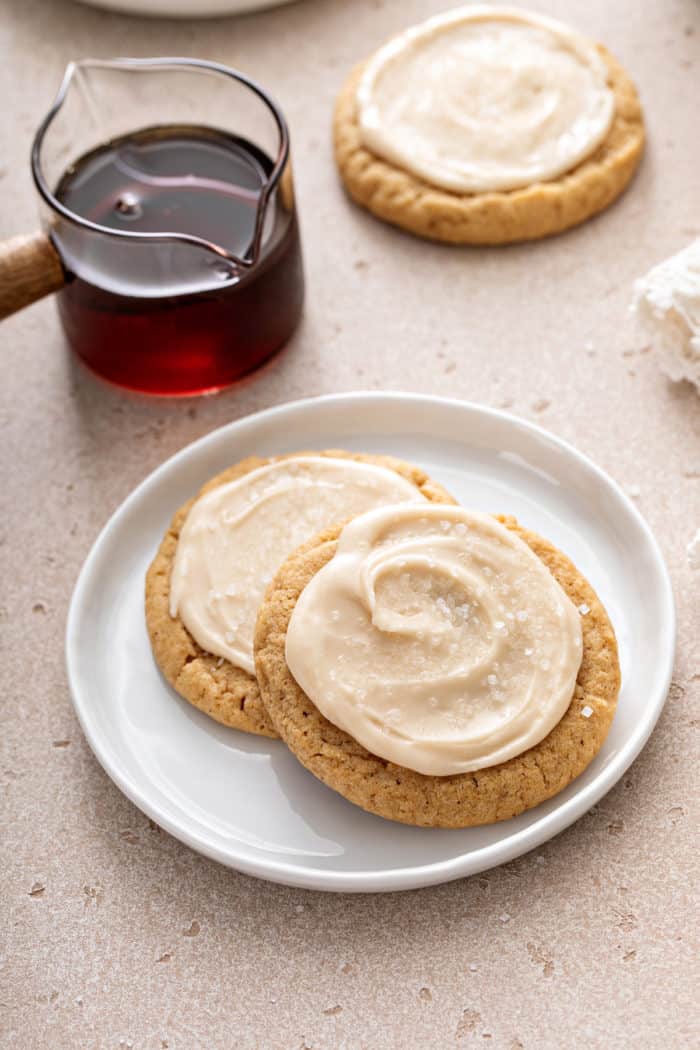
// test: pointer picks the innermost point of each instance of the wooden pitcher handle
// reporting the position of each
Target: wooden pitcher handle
(29, 269)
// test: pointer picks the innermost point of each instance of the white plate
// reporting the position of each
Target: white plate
(245, 800)
(185, 8)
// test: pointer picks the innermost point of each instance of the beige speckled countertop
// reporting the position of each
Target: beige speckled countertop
(114, 934)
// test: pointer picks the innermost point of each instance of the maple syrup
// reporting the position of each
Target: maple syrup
(168, 316)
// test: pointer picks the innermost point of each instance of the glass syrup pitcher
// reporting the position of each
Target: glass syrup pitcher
(170, 229)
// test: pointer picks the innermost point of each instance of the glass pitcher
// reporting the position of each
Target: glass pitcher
(171, 234)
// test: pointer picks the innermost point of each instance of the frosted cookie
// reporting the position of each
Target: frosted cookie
(488, 125)
(435, 666)
(222, 549)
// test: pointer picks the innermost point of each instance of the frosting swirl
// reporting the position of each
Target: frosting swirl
(485, 98)
(236, 536)
(437, 639)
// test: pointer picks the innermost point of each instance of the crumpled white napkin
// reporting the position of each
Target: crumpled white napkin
(667, 303)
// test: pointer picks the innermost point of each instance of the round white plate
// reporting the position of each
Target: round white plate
(185, 8)
(245, 800)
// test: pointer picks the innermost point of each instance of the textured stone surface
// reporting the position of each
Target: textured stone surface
(113, 934)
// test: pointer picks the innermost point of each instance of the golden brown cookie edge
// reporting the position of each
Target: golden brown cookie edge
(465, 800)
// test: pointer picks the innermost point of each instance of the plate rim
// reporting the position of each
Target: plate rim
(415, 876)
(227, 9)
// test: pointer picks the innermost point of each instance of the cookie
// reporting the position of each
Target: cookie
(463, 800)
(536, 211)
(223, 691)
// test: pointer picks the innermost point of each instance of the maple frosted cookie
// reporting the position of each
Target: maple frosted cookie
(223, 548)
(488, 125)
(437, 666)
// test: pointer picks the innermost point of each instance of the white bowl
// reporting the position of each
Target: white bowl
(185, 8)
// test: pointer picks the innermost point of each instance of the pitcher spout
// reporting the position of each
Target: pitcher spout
(93, 115)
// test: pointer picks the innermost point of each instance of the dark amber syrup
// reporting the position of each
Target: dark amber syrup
(176, 320)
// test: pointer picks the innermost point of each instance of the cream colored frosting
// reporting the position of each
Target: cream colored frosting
(437, 639)
(236, 536)
(485, 98)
